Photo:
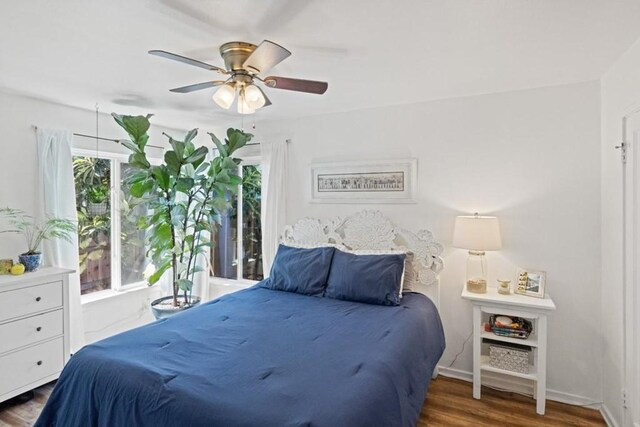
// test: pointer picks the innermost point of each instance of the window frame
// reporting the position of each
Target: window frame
(116, 159)
(239, 280)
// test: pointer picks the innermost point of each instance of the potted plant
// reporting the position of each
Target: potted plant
(35, 232)
(185, 194)
(97, 197)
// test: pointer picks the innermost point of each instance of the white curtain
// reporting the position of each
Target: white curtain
(57, 198)
(274, 190)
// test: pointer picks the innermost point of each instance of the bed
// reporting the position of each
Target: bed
(260, 357)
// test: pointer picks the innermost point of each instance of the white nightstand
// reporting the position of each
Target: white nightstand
(534, 309)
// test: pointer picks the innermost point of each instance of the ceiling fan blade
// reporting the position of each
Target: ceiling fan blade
(298, 85)
(185, 60)
(267, 101)
(267, 55)
(198, 86)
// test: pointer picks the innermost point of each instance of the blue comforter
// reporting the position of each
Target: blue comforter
(258, 357)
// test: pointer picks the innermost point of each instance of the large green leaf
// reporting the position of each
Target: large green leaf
(136, 127)
(139, 160)
(197, 156)
(235, 180)
(140, 188)
(229, 163)
(184, 184)
(161, 174)
(173, 162)
(236, 139)
(159, 272)
(191, 135)
(222, 150)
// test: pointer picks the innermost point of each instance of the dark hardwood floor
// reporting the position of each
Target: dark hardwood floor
(449, 404)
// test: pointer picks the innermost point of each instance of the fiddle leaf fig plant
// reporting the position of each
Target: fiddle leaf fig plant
(185, 195)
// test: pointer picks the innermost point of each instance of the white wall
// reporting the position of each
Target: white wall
(620, 93)
(531, 157)
(17, 179)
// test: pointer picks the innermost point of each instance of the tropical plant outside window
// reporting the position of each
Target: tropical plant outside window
(106, 226)
(246, 240)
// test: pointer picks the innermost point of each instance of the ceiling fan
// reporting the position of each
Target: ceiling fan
(243, 64)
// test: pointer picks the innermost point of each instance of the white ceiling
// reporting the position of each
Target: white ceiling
(372, 53)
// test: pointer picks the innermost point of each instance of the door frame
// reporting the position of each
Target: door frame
(631, 268)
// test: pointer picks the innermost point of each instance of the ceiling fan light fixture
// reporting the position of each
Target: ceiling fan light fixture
(253, 96)
(225, 95)
(244, 62)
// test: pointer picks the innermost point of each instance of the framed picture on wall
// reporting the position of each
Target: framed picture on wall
(531, 283)
(364, 181)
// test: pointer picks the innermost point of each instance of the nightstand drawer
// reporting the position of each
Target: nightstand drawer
(30, 365)
(32, 299)
(30, 330)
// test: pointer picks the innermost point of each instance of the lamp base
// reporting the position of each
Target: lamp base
(477, 286)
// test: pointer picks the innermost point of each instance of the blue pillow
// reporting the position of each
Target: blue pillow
(304, 271)
(374, 279)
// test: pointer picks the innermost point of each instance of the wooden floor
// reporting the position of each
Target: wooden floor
(13, 413)
(449, 404)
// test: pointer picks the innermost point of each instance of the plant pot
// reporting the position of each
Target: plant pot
(31, 262)
(97, 209)
(160, 312)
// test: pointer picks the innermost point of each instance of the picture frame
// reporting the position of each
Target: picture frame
(364, 181)
(531, 283)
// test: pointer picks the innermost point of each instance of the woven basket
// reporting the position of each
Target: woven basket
(509, 358)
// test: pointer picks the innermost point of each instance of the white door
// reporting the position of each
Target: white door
(631, 220)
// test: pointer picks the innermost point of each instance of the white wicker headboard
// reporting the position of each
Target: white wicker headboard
(369, 229)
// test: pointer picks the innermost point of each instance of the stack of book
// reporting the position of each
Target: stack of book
(507, 326)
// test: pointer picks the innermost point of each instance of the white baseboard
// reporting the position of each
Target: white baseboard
(520, 386)
(608, 418)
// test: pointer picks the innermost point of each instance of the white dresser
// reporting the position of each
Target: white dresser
(34, 329)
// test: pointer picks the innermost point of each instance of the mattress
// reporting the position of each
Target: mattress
(258, 357)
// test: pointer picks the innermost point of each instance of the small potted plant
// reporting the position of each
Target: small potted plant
(35, 232)
(97, 199)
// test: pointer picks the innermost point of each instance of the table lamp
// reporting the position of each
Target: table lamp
(477, 234)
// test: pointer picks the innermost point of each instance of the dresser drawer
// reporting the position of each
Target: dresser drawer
(31, 364)
(30, 330)
(32, 299)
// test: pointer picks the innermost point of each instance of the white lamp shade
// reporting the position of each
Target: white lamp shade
(225, 95)
(243, 107)
(253, 97)
(479, 233)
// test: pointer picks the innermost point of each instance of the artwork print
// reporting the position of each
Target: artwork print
(364, 181)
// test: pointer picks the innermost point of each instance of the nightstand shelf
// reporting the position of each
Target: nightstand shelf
(533, 309)
(532, 341)
(484, 365)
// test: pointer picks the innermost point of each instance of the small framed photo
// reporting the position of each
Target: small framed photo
(531, 283)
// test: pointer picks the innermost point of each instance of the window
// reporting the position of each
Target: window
(111, 248)
(237, 249)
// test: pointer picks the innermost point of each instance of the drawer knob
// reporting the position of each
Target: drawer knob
(38, 299)
(39, 328)
(39, 362)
